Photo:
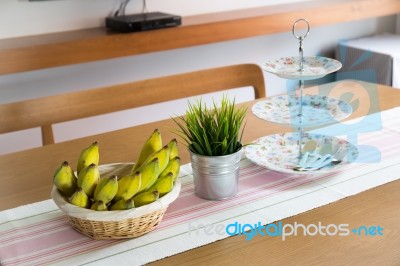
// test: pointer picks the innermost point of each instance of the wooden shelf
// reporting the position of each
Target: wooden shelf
(74, 47)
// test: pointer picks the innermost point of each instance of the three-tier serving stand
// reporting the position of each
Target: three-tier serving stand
(281, 152)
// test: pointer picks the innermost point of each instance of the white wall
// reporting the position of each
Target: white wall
(14, 87)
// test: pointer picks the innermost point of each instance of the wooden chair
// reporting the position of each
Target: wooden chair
(43, 112)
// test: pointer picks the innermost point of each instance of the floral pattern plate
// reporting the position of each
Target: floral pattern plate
(280, 152)
(314, 67)
(317, 110)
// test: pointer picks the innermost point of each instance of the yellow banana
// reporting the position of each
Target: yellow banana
(128, 186)
(152, 144)
(106, 189)
(122, 205)
(88, 179)
(149, 174)
(146, 198)
(163, 158)
(99, 206)
(172, 167)
(163, 184)
(65, 180)
(80, 199)
(173, 149)
(88, 156)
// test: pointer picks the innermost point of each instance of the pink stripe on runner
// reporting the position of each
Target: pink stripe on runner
(246, 186)
(29, 227)
(35, 257)
(312, 180)
(35, 232)
(254, 185)
(242, 198)
(71, 254)
(40, 242)
(69, 248)
(256, 196)
(252, 197)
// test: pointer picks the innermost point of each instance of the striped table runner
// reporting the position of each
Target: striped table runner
(38, 234)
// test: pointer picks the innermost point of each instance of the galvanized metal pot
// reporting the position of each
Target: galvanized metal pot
(216, 177)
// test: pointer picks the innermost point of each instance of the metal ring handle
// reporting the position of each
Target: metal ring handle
(294, 29)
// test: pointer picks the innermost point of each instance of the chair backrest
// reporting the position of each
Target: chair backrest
(43, 112)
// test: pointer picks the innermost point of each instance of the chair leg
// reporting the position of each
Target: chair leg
(47, 135)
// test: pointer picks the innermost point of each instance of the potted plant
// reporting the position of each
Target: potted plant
(213, 137)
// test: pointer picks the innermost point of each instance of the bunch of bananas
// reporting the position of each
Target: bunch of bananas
(152, 177)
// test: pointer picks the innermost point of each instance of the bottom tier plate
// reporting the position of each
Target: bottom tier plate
(280, 152)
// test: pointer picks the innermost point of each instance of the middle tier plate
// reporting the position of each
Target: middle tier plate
(317, 110)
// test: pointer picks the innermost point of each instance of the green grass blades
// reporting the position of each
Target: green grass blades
(88, 156)
(212, 132)
(145, 198)
(106, 189)
(64, 179)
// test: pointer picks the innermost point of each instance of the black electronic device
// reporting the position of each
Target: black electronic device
(142, 22)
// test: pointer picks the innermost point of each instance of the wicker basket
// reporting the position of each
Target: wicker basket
(116, 224)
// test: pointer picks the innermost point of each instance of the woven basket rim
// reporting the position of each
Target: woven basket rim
(87, 214)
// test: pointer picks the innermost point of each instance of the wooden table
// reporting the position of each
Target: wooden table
(26, 177)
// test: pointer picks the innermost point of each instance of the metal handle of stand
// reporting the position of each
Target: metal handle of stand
(301, 39)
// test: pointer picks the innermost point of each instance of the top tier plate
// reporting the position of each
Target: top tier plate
(314, 67)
